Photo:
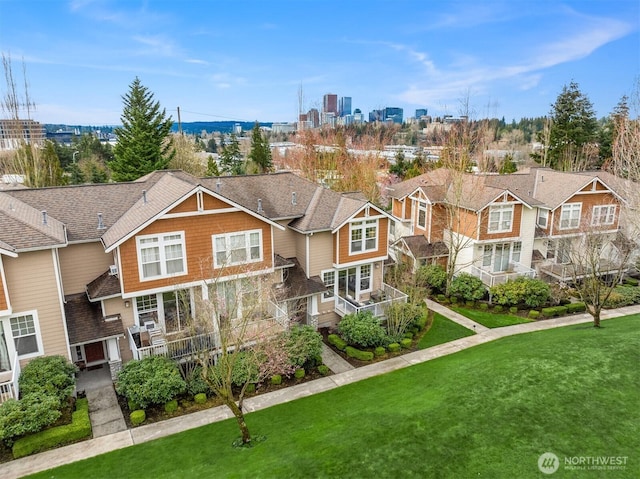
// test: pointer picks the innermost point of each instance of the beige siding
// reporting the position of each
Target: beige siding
(301, 251)
(32, 286)
(284, 242)
(117, 306)
(321, 244)
(82, 263)
(4, 299)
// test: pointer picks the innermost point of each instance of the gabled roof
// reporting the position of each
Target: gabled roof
(421, 248)
(85, 322)
(24, 227)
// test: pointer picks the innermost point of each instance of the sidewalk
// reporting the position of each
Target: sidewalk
(94, 447)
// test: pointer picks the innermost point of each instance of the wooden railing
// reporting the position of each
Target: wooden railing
(11, 389)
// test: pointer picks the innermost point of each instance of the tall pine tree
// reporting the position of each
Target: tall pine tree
(144, 144)
(231, 161)
(260, 153)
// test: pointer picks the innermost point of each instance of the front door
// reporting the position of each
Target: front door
(501, 258)
(94, 352)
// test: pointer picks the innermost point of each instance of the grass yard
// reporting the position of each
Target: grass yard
(490, 320)
(442, 330)
(488, 411)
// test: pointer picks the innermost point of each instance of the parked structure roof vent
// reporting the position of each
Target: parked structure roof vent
(44, 218)
(260, 210)
(100, 222)
(294, 198)
(144, 197)
(218, 185)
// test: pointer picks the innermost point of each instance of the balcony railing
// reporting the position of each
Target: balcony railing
(10, 389)
(377, 304)
(491, 278)
(570, 272)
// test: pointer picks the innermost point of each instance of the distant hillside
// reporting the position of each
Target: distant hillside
(195, 127)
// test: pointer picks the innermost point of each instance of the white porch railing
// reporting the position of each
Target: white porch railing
(279, 315)
(389, 295)
(10, 389)
(174, 349)
(491, 278)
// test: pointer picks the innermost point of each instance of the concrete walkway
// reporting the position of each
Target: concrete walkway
(96, 446)
(105, 412)
(455, 317)
(334, 361)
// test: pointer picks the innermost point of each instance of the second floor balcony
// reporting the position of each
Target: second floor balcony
(377, 303)
(491, 278)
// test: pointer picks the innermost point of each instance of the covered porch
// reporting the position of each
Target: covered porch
(377, 303)
(9, 388)
(491, 278)
(568, 272)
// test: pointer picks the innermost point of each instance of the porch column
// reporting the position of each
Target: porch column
(115, 360)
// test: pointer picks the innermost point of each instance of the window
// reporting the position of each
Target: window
(543, 216)
(25, 335)
(487, 254)
(161, 255)
(364, 236)
(237, 248)
(515, 251)
(365, 277)
(603, 215)
(329, 280)
(422, 215)
(147, 308)
(570, 216)
(500, 218)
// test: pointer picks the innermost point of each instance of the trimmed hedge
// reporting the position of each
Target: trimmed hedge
(379, 351)
(299, 374)
(323, 369)
(171, 406)
(138, 417)
(200, 398)
(513, 309)
(497, 308)
(483, 306)
(405, 343)
(631, 281)
(554, 311)
(132, 405)
(337, 341)
(80, 428)
(357, 354)
(421, 322)
(393, 347)
(533, 314)
(576, 307)
(276, 379)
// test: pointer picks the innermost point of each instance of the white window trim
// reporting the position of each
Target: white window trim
(501, 210)
(36, 325)
(227, 241)
(363, 225)
(326, 299)
(543, 214)
(570, 208)
(422, 207)
(163, 259)
(608, 211)
(360, 277)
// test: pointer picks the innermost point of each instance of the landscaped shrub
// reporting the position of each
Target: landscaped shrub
(251, 388)
(401, 317)
(299, 373)
(337, 341)
(152, 380)
(276, 379)
(52, 375)
(433, 276)
(200, 398)
(497, 308)
(528, 291)
(467, 287)
(192, 375)
(79, 428)
(362, 329)
(323, 369)
(631, 281)
(138, 417)
(421, 322)
(32, 413)
(379, 351)
(576, 307)
(513, 309)
(470, 304)
(483, 306)
(623, 296)
(358, 354)
(533, 314)
(132, 405)
(393, 347)
(405, 343)
(554, 311)
(408, 334)
(442, 299)
(303, 343)
(171, 406)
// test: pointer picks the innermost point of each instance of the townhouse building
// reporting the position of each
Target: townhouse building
(499, 227)
(102, 274)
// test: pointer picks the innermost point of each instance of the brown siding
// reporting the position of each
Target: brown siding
(284, 242)
(398, 208)
(515, 227)
(322, 246)
(82, 263)
(383, 232)
(464, 222)
(191, 204)
(588, 202)
(198, 231)
(438, 222)
(32, 286)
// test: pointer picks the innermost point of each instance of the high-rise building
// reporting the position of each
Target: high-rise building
(344, 107)
(420, 112)
(313, 117)
(330, 103)
(393, 114)
(376, 115)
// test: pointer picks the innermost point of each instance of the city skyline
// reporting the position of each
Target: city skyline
(214, 62)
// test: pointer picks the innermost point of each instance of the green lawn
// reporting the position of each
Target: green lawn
(490, 320)
(489, 411)
(441, 331)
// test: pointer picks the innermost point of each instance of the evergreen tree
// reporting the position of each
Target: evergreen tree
(144, 144)
(260, 152)
(231, 161)
(212, 167)
(573, 132)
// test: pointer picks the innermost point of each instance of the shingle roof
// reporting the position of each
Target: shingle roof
(103, 286)
(85, 322)
(421, 248)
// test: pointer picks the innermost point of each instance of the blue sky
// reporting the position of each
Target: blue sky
(220, 60)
